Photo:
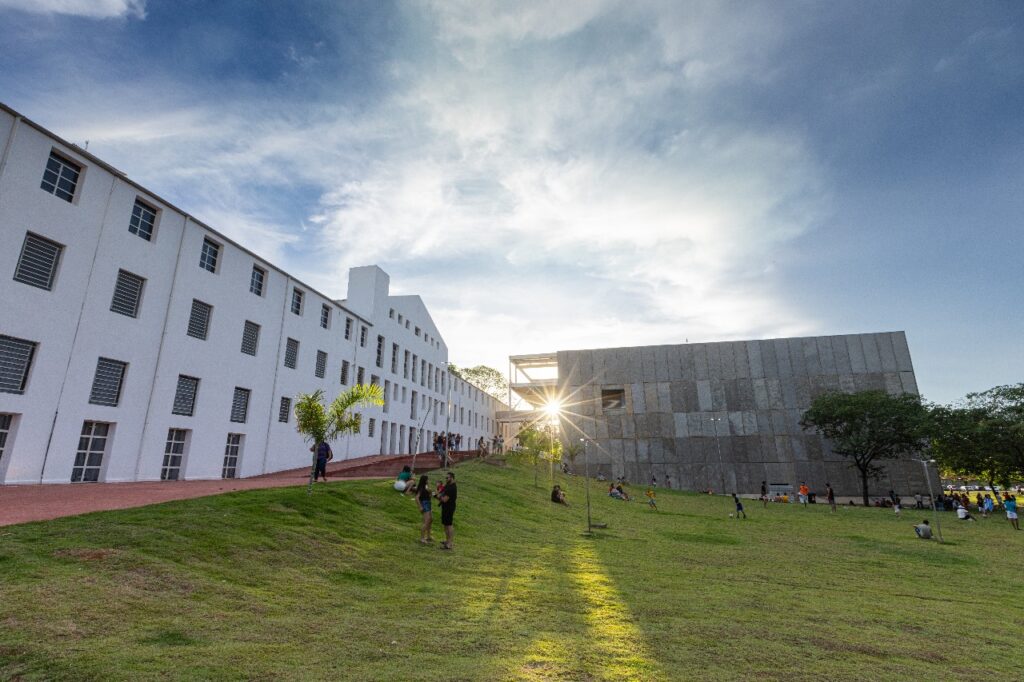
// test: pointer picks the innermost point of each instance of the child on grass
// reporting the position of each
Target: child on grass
(739, 506)
(650, 498)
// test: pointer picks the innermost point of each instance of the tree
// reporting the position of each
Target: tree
(868, 427)
(572, 450)
(983, 436)
(324, 423)
(487, 379)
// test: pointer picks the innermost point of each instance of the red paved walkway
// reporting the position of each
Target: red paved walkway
(23, 503)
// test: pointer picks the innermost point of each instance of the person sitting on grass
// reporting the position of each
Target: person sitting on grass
(963, 514)
(403, 483)
(923, 530)
(614, 492)
(558, 495)
(622, 492)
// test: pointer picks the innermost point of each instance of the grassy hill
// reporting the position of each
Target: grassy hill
(273, 584)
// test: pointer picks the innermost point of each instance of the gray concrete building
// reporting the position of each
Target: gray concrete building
(720, 416)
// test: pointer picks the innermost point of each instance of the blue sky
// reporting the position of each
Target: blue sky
(553, 175)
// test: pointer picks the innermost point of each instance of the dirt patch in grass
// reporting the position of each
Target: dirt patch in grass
(87, 553)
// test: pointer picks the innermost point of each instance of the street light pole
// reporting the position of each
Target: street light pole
(586, 475)
(718, 446)
(931, 495)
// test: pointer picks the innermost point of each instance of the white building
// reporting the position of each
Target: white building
(137, 343)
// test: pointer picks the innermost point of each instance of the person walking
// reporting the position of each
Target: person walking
(764, 493)
(651, 501)
(739, 506)
(1010, 505)
(447, 497)
(423, 499)
(830, 496)
(804, 492)
(323, 456)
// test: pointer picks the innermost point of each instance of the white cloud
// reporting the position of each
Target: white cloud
(93, 9)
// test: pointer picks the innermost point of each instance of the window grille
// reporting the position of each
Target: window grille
(199, 319)
(107, 382)
(15, 361)
(185, 396)
(37, 264)
(362, 337)
(127, 294)
(250, 338)
(321, 364)
(285, 410)
(348, 328)
(291, 353)
(240, 405)
(344, 372)
(380, 351)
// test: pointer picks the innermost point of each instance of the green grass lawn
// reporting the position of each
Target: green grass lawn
(273, 584)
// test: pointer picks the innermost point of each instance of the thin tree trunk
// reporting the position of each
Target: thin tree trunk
(864, 484)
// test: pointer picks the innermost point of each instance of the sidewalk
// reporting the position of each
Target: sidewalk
(24, 503)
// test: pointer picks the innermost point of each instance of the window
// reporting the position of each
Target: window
(400, 318)
(285, 410)
(127, 294)
(380, 351)
(391, 313)
(325, 316)
(297, 295)
(231, 452)
(405, 366)
(415, 360)
(394, 358)
(185, 396)
(15, 361)
(174, 451)
(423, 372)
(61, 177)
(348, 328)
(240, 405)
(417, 331)
(374, 380)
(371, 427)
(5, 430)
(37, 264)
(360, 375)
(199, 320)
(209, 254)
(344, 372)
(321, 364)
(92, 444)
(256, 280)
(291, 353)
(362, 337)
(407, 324)
(613, 399)
(250, 338)
(412, 406)
(143, 220)
(387, 395)
(107, 382)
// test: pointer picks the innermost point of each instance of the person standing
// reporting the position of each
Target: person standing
(804, 492)
(1010, 505)
(651, 501)
(423, 499)
(764, 493)
(896, 501)
(668, 481)
(447, 497)
(918, 501)
(323, 456)
(830, 495)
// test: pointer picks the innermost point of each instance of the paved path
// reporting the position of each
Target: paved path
(24, 503)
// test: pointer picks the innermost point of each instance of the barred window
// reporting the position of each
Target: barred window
(37, 264)
(199, 319)
(127, 294)
(348, 328)
(297, 296)
(92, 445)
(209, 255)
(60, 178)
(256, 280)
(360, 375)
(232, 450)
(285, 410)
(107, 382)
(380, 351)
(362, 337)
(185, 396)
(371, 427)
(394, 358)
(240, 405)
(5, 429)
(15, 362)
(291, 353)
(344, 372)
(325, 316)
(321, 364)
(143, 220)
(250, 338)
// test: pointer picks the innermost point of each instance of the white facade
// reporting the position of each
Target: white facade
(59, 311)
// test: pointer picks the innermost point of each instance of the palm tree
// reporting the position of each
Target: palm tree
(319, 423)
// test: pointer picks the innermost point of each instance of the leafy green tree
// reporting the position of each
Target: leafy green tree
(487, 379)
(318, 422)
(983, 437)
(572, 450)
(868, 427)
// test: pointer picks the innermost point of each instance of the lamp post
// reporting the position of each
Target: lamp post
(931, 495)
(586, 476)
(718, 446)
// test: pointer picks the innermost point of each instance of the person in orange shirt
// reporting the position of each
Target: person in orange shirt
(804, 492)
